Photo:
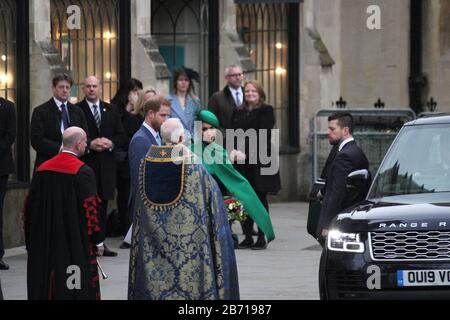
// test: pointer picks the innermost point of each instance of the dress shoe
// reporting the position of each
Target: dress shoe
(109, 253)
(247, 243)
(125, 245)
(3, 265)
(261, 244)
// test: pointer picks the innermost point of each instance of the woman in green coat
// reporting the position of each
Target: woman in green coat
(216, 161)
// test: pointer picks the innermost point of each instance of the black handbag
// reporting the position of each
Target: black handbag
(315, 206)
(313, 217)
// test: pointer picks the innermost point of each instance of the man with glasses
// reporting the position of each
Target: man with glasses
(224, 102)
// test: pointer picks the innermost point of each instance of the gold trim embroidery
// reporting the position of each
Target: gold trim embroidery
(154, 156)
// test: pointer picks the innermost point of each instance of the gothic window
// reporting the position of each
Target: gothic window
(180, 29)
(263, 27)
(94, 48)
(8, 49)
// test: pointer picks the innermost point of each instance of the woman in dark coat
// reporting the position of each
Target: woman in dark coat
(125, 99)
(256, 114)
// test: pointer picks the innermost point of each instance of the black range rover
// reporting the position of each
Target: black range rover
(396, 243)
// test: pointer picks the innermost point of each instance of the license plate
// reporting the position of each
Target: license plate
(423, 278)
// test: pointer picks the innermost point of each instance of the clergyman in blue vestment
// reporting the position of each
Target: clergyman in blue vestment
(181, 244)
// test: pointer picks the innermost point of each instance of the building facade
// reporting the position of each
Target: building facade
(306, 54)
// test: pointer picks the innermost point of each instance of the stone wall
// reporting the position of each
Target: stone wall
(375, 63)
(147, 63)
(436, 52)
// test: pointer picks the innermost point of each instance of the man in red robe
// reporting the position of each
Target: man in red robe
(61, 226)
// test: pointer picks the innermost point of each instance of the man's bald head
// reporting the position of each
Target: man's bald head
(74, 139)
(172, 131)
(92, 89)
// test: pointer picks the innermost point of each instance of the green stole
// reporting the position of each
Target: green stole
(215, 159)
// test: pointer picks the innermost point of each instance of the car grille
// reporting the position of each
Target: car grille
(410, 245)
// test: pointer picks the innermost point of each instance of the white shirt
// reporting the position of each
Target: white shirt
(233, 93)
(345, 142)
(58, 104)
(91, 106)
(152, 131)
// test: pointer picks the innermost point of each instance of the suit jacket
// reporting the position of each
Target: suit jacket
(139, 146)
(104, 163)
(45, 129)
(336, 197)
(260, 118)
(8, 133)
(222, 104)
(131, 124)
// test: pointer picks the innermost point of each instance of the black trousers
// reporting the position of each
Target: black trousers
(247, 226)
(103, 219)
(3, 184)
(123, 193)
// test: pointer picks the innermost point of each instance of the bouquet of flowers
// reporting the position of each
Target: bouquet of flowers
(235, 209)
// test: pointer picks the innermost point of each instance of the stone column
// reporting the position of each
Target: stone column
(232, 50)
(45, 61)
(147, 64)
(436, 52)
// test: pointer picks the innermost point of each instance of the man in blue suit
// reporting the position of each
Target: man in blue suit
(156, 111)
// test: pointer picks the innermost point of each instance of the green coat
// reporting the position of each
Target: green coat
(216, 161)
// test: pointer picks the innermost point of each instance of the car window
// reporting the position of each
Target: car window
(418, 162)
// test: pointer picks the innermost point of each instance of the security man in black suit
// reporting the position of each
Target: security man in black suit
(50, 119)
(349, 158)
(224, 102)
(105, 133)
(8, 133)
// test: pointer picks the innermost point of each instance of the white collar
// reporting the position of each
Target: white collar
(343, 143)
(233, 91)
(149, 128)
(70, 152)
(97, 103)
(59, 103)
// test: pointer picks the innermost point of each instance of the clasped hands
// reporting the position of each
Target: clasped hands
(101, 144)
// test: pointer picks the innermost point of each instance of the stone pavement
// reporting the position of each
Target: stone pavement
(287, 269)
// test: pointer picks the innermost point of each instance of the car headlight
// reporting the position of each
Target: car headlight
(346, 242)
